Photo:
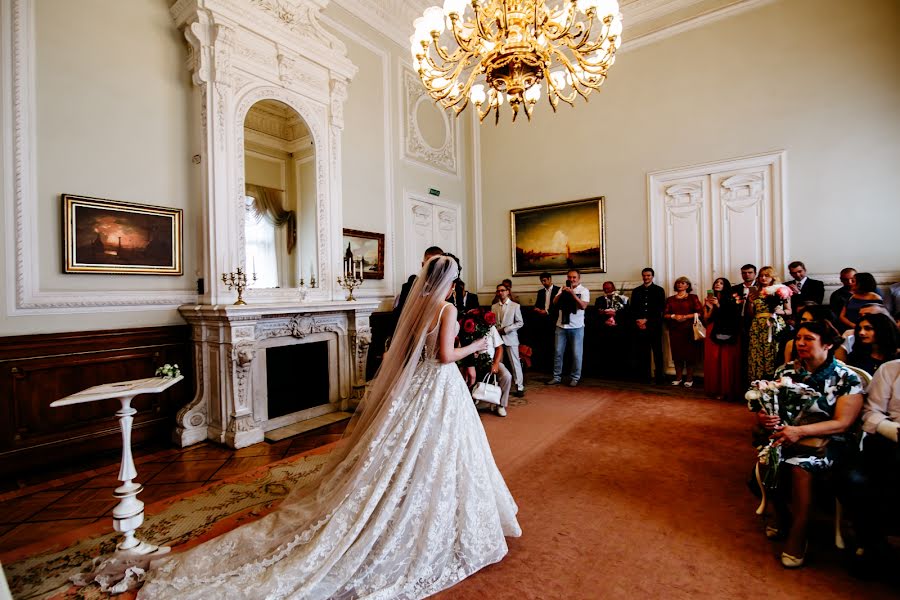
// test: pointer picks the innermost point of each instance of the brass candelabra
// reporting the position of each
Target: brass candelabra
(350, 282)
(237, 281)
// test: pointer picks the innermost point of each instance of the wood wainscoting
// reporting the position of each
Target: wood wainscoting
(35, 370)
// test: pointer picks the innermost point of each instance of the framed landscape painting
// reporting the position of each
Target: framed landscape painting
(367, 246)
(559, 237)
(109, 236)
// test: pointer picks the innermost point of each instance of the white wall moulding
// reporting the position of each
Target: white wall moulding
(392, 18)
(380, 288)
(416, 148)
(24, 294)
(707, 220)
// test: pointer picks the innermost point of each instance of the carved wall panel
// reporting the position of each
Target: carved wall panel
(415, 145)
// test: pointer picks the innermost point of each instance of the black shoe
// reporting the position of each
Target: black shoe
(519, 393)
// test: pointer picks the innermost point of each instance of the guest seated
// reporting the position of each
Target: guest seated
(830, 418)
(873, 490)
(877, 341)
(811, 312)
(473, 373)
(850, 335)
(865, 291)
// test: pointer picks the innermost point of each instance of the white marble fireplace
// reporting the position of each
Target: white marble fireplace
(230, 343)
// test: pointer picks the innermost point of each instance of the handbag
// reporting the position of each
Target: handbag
(485, 391)
(699, 329)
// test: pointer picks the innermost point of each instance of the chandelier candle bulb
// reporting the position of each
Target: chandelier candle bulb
(490, 51)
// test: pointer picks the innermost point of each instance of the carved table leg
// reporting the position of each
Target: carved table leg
(128, 514)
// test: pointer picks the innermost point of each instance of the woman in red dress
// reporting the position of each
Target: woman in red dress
(680, 311)
(722, 352)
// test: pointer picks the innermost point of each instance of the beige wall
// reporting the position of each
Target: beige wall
(113, 120)
(376, 178)
(808, 76)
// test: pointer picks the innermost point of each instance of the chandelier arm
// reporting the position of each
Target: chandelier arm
(484, 31)
(457, 29)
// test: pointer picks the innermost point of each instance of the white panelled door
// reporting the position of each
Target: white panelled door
(708, 220)
(429, 223)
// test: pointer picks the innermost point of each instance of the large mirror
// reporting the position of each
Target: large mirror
(280, 197)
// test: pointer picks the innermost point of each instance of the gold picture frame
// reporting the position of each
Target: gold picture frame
(559, 237)
(115, 237)
(368, 246)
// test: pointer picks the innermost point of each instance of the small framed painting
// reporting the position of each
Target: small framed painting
(559, 237)
(367, 246)
(109, 236)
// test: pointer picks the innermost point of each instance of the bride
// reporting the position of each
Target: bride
(410, 503)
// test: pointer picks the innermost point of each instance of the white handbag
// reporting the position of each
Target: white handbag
(699, 329)
(485, 391)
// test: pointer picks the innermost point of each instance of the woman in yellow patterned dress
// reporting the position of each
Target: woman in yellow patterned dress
(768, 321)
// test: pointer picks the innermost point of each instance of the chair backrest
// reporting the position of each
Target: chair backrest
(864, 376)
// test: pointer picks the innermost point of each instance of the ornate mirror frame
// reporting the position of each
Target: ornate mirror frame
(241, 52)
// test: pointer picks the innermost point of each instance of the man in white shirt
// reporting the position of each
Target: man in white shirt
(509, 321)
(570, 302)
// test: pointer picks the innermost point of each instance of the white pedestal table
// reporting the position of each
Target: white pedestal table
(128, 514)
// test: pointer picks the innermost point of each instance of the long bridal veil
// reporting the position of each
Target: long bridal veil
(351, 532)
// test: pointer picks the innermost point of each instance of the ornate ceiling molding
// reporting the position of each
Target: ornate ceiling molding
(415, 147)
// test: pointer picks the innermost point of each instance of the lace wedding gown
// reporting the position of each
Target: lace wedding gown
(417, 505)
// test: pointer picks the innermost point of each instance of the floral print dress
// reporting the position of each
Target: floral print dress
(833, 380)
(763, 347)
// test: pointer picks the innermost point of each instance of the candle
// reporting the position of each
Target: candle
(254, 265)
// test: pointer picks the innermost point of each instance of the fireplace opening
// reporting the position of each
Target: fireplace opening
(289, 393)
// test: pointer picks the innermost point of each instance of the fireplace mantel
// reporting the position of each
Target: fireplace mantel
(226, 341)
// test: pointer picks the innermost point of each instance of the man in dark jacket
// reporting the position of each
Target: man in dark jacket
(806, 290)
(544, 329)
(404, 291)
(648, 301)
(463, 300)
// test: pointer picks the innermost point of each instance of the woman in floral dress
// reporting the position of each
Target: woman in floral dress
(768, 322)
(827, 421)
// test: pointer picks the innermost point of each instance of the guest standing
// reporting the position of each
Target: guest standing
(611, 310)
(768, 321)
(543, 341)
(570, 302)
(462, 299)
(509, 322)
(741, 294)
(680, 311)
(721, 351)
(647, 303)
(806, 290)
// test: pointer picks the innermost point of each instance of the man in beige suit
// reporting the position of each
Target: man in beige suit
(509, 321)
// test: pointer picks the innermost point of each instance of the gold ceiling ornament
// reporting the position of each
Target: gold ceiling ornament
(504, 50)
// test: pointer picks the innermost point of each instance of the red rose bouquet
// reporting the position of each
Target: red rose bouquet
(474, 325)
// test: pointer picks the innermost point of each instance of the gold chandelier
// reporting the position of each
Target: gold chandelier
(505, 50)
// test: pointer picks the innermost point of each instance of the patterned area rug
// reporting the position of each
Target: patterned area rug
(43, 569)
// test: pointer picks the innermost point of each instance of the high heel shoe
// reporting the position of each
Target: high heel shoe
(794, 562)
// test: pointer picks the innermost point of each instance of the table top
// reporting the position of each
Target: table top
(121, 389)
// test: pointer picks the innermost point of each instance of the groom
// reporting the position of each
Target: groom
(404, 291)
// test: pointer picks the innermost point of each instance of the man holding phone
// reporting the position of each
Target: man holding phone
(570, 302)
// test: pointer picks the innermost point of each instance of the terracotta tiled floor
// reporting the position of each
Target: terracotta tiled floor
(50, 503)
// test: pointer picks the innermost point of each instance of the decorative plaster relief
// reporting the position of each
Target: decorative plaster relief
(415, 147)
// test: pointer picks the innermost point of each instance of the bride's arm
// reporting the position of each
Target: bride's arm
(446, 352)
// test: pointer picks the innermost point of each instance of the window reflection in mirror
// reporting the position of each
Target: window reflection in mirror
(280, 197)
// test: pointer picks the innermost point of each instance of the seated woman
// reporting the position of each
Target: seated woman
(722, 352)
(828, 417)
(810, 312)
(865, 291)
(876, 341)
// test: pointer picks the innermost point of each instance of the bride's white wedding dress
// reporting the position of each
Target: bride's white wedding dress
(417, 505)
